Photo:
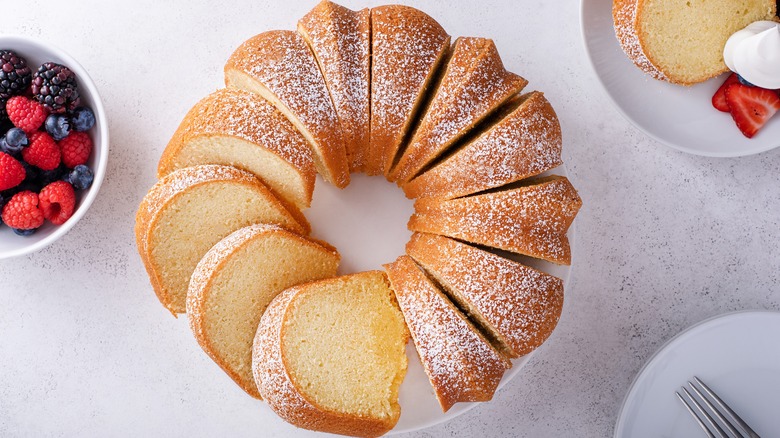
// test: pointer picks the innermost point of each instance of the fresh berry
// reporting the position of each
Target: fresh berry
(80, 177)
(54, 86)
(22, 211)
(75, 149)
(19, 232)
(43, 151)
(751, 107)
(83, 119)
(15, 75)
(58, 126)
(46, 177)
(11, 172)
(15, 140)
(25, 113)
(57, 200)
(744, 81)
(719, 98)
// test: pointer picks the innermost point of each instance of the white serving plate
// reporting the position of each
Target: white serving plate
(736, 354)
(680, 117)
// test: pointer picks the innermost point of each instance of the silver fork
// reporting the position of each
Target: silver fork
(703, 409)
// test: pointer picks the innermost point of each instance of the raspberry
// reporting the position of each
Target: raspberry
(12, 172)
(75, 149)
(22, 211)
(54, 86)
(25, 113)
(43, 152)
(57, 200)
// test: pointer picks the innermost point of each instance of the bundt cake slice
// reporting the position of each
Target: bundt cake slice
(407, 48)
(330, 355)
(530, 220)
(518, 306)
(682, 41)
(241, 129)
(521, 141)
(236, 280)
(461, 364)
(190, 210)
(279, 66)
(341, 41)
(473, 85)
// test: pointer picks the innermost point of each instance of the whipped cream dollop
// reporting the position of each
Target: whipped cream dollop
(754, 54)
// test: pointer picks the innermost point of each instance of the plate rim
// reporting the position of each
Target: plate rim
(620, 422)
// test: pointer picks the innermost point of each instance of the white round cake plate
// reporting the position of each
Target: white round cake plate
(736, 354)
(337, 218)
(680, 117)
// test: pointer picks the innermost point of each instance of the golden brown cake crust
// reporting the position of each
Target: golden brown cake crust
(247, 116)
(521, 305)
(173, 185)
(461, 364)
(530, 220)
(282, 61)
(341, 41)
(282, 394)
(474, 83)
(407, 47)
(624, 15)
(524, 143)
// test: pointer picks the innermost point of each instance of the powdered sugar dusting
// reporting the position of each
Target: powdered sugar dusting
(340, 40)
(521, 305)
(474, 83)
(407, 44)
(624, 14)
(530, 220)
(461, 364)
(525, 143)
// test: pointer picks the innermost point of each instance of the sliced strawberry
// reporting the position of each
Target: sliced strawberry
(751, 107)
(719, 98)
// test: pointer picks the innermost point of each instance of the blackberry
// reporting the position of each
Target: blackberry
(15, 74)
(54, 86)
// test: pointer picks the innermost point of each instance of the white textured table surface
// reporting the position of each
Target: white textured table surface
(664, 240)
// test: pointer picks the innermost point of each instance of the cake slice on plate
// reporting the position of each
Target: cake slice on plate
(473, 85)
(408, 46)
(530, 220)
(330, 355)
(517, 305)
(341, 41)
(461, 364)
(241, 129)
(279, 66)
(236, 280)
(190, 210)
(522, 140)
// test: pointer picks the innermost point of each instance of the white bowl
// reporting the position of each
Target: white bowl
(36, 53)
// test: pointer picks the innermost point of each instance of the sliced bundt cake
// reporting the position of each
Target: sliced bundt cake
(407, 48)
(461, 363)
(341, 41)
(190, 210)
(236, 280)
(518, 306)
(521, 141)
(279, 66)
(530, 220)
(241, 129)
(330, 355)
(474, 83)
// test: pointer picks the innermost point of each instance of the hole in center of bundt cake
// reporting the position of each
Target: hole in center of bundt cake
(366, 221)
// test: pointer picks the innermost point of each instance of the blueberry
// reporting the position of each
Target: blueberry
(24, 232)
(80, 177)
(83, 119)
(744, 82)
(15, 140)
(57, 126)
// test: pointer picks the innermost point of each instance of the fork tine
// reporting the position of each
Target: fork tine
(702, 413)
(717, 412)
(723, 406)
(696, 417)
